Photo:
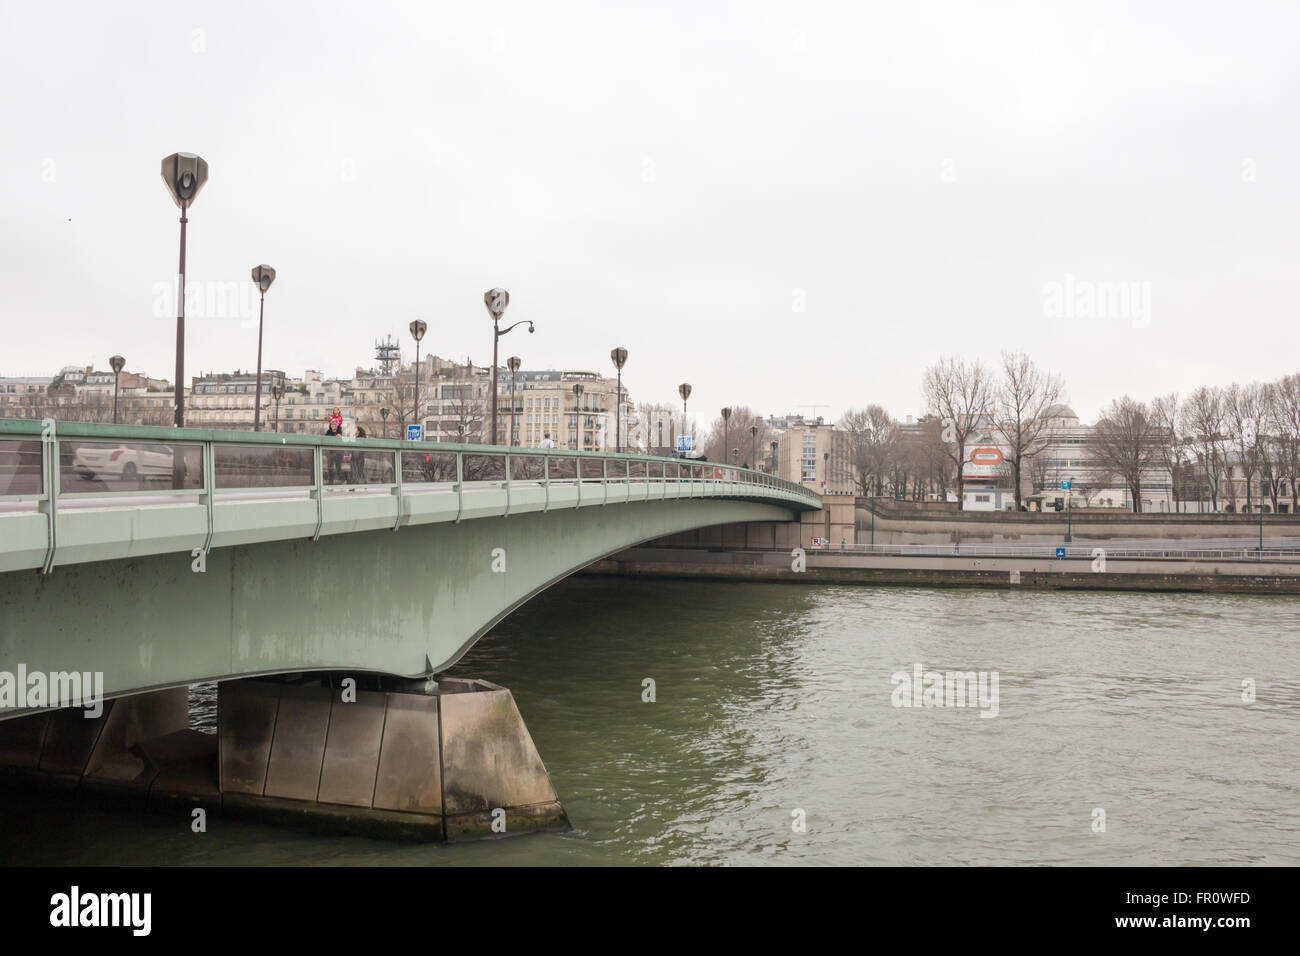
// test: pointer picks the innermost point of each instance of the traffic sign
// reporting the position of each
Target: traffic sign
(1060, 552)
(413, 432)
(683, 444)
(1065, 486)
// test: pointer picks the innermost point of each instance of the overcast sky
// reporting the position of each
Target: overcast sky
(782, 204)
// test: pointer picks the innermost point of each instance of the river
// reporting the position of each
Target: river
(774, 735)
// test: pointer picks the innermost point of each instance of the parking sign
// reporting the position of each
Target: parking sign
(413, 432)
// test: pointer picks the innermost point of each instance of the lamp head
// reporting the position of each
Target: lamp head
(619, 357)
(418, 328)
(497, 301)
(116, 363)
(184, 175)
(263, 276)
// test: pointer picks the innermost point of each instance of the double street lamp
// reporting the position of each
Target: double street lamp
(684, 390)
(116, 363)
(184, 175)
(263, 276)
(497, 301)
(619, 358)
(577, 400)
(277, 392)
(513, 364)
(418, 328)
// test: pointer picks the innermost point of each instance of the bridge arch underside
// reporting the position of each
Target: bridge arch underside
(407, 603)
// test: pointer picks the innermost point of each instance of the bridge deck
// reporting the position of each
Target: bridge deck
(73, 493)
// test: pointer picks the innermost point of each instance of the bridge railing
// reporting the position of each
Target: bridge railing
(48, 468)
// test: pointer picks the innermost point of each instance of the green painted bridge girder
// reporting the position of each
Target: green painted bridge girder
(159, 588)
(407, 603)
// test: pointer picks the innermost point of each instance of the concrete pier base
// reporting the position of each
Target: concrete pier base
(139, 751)
(451, 762)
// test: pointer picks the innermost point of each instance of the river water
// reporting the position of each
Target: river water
(774, 706)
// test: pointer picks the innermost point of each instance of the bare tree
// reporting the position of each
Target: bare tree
(1244, 415)
(1204, 419)
(738, 435)
(1125, 444)
(1284, 423)
(960, 395)
(874, 445)
(1167, 415)
(1021, 405)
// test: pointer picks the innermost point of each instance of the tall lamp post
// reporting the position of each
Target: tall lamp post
(753, 444)
(774, 444)
(513, 364)
(726, 439)
(116, 363)
(184, 175)
(263, 276)
(684, 390)
(277, 392)
(497, 300)
(418, 328)
(619, 358)
(577, 398)
(383, 413)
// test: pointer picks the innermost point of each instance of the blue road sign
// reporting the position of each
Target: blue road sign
(683, 444)
(1065, 486)
(413, 432)
(1060, 552)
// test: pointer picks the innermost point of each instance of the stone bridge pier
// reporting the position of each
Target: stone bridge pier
(442, 760)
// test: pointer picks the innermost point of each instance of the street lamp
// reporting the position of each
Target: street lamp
(277, 392)
(735, 455)
(263, 276)
(726, 419)
(577, 397)
(418, 328)
(184, 175)
(753, 444)
(774, 444)
(116, 363)
(383, 413)
(619, 357)
(513, 364)
(684, 391)
(826, 471)
(497, 300)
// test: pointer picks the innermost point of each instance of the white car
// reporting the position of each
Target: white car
(123, 462)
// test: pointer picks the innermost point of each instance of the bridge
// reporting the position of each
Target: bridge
(159, 558)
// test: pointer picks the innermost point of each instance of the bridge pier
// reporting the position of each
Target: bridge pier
(453, 763)
(451, 760)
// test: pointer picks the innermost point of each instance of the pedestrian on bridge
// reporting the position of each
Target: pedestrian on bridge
(546, 441)
(334, 459)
